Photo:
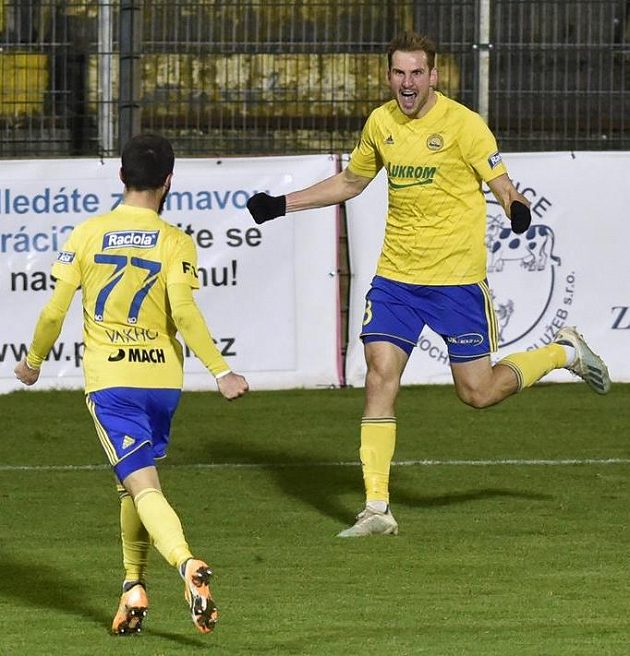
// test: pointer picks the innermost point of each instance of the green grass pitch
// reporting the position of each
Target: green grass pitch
(493, 559)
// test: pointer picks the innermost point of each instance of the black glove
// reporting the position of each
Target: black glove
(264, 207)
(520, 217)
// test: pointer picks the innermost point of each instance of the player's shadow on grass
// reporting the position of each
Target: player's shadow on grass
(40, 585)
(326, 487)
(406, 498)
(322, 486)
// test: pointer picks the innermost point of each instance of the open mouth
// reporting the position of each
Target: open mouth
(407, 99)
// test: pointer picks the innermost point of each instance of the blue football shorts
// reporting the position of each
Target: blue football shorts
(463, 315)
(133, 425)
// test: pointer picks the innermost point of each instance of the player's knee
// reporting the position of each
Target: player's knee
(475, 397)
(378, 378)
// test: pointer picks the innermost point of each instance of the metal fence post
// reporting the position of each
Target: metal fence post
(482, 48)
(130, 74)
(105, 91)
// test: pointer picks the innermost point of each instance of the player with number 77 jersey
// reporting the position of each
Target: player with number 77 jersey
(124, 262)
(137, 273)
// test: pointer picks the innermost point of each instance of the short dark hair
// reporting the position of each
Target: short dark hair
(411, 42)
(147, 160)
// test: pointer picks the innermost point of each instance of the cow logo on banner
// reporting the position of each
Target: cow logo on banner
(531, 291)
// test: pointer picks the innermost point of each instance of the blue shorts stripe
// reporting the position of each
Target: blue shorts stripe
(108, 447)
(491, 316)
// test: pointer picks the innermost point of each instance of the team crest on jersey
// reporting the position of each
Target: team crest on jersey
(130, 239)
(65, 257)
(435, 142)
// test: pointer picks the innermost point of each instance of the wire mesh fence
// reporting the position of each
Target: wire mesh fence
(560, 75)
(227, 77)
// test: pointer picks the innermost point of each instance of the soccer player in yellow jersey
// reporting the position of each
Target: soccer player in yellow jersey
(137, 273)
(432, 268)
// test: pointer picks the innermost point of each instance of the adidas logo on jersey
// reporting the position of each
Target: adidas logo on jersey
(389, 141)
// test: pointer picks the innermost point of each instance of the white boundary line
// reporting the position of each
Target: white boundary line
(295, 465)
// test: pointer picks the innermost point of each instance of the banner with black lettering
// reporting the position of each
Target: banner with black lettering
(269, 293)
(570, 268)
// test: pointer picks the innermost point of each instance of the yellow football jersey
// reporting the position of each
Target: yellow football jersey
(435, 164)
(123, 262)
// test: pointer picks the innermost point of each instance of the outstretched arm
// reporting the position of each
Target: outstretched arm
(193, 328)
(515, 205)
(47, 330)
(336, 189)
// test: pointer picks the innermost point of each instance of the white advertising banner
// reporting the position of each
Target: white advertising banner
(570, 268)
(269, 292)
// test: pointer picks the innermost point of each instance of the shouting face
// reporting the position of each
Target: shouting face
(412, 82)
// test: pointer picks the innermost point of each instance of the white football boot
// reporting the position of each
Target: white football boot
(588, 365)
(371, 522)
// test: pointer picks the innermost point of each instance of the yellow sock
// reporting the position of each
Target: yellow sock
(135, 539)
(531, 366)
(378, 439)
(163, 525)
